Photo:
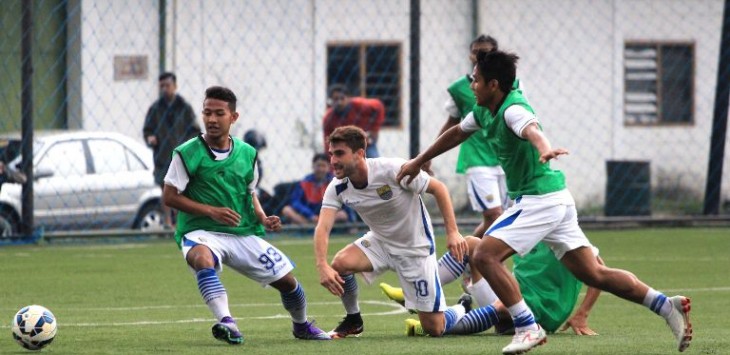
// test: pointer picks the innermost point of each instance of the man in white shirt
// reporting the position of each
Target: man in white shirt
(400, 237)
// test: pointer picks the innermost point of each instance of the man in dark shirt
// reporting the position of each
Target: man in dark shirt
(170, 121)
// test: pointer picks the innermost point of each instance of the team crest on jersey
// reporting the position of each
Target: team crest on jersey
(489, 198)
(365, 243)
(385, 192)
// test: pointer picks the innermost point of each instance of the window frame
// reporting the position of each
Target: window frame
(92, 155)
(658, 44)
(45, 154)
(362, 61)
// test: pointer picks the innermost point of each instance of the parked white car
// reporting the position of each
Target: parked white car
(83, 180)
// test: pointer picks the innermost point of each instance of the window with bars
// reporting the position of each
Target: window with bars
(371, 70)
(658, 83)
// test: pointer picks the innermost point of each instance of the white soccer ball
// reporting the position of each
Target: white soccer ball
(34, 327)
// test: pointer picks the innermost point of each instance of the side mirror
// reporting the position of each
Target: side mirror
(42, 172)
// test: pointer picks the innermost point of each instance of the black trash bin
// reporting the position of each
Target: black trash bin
(628, 188)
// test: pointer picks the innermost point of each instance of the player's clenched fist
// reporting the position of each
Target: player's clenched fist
(273, 223)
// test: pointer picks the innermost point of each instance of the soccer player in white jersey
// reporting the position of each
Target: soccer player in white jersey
(400, 238)
(212, 181)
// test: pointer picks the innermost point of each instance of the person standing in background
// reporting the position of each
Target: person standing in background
(170, 121)
(368, 114)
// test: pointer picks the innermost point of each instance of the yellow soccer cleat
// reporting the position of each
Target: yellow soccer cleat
(394, 293)
(414, 328)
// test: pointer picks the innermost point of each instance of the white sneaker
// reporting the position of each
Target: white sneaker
(524, 340)
(678, 321)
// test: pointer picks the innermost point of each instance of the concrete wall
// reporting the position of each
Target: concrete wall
(572, 66)
(111, 28)
(273, 55)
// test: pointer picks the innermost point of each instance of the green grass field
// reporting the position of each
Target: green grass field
(141, 298)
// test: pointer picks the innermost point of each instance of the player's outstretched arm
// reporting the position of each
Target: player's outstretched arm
(172, 198)
(328, 277)
(450, 122)
(449, 139)
(533, 134)
(454, 241)
(579, 321)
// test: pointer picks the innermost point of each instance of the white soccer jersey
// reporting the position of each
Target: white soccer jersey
(516, 116)
(394, 212)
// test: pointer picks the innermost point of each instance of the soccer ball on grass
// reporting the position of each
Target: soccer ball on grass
(34, 327)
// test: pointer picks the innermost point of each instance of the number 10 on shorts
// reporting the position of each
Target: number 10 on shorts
(421, 287)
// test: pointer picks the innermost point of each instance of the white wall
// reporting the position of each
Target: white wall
(572, 65)
(263, 51)
(273, 55)
(678, 151)
(110, 28)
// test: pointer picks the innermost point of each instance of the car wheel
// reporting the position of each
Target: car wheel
(150, 218)
(9, 223)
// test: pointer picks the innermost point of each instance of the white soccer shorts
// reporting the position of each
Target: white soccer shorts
(551, 218)
(486, 188)
(251, 256)
(418, 275)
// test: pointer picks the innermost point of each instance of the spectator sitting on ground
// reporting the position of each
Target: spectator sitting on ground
(306, 197)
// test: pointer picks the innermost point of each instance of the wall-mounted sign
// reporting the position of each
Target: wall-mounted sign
(130, 67)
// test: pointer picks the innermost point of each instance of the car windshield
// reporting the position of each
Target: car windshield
(10, 150)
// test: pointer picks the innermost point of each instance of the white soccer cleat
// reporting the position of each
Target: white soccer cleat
(678, 321)
(525, 340)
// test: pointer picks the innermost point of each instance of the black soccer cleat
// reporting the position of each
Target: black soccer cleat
(466, 300)
(351, 325)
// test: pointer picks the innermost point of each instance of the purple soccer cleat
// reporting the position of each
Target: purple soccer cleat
(227, 330)
(308, 331)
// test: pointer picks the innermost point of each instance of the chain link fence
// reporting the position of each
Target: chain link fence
(628, 87)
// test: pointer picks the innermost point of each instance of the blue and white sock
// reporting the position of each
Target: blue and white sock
(658, 303)
(522, 316)
(296, 303)
(476, 321)
(450, 269)
(213, 292)
(349, 298)
(453, 315)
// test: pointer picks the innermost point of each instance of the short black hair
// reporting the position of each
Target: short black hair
(321, 156)
(337, 88)
(167, 75)
(498, 65)
(223, 94)
(485, 39)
